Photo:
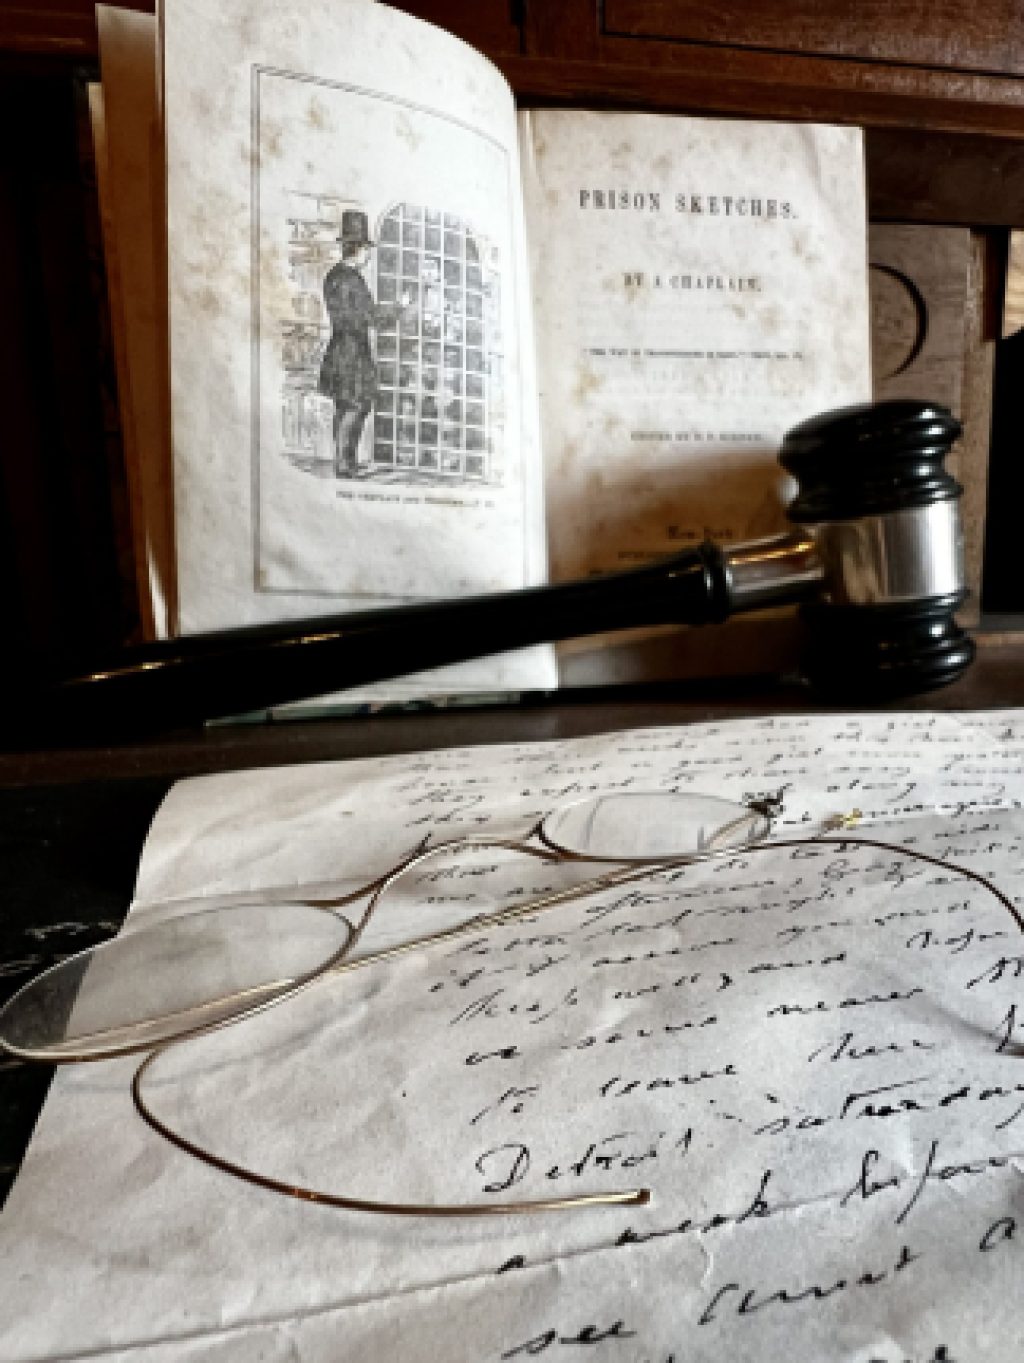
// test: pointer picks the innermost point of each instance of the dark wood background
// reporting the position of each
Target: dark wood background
(939, 87)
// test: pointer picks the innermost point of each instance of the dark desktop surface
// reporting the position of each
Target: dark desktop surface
(69, 858)
(68, 855)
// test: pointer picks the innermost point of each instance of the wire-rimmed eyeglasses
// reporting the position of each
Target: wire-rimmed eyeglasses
(158, 985)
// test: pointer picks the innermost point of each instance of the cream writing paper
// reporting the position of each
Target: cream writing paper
(809, 1055)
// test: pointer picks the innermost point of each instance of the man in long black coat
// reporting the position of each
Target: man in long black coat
(348, 372)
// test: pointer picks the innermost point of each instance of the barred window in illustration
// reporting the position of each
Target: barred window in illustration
(392, 351)
(438, 365)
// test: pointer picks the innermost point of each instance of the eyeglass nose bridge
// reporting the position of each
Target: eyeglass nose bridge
(123, 1031)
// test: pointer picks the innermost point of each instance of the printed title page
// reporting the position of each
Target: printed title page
(699, 287)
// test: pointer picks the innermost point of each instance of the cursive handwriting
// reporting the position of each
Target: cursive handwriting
(753, 1300)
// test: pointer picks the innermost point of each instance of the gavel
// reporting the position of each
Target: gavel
(874, 558)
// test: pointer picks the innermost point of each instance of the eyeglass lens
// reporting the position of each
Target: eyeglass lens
(154, 983)
(646, 825)
(198, 970)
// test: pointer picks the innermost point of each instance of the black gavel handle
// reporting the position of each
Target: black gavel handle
(197, 677)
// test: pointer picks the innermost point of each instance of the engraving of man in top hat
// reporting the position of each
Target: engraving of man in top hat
(348, 373)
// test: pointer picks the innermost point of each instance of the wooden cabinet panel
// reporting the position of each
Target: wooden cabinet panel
(985, 36)
(562, 28)
(932, 177)
(490, 25)
(636, 74)
(931, 65)
(54, 28)
(67, 28)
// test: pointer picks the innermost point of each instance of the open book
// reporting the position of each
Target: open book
(421, 345)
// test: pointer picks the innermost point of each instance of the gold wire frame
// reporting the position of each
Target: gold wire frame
(255, 998)
(196, 1020)
(629, 1197)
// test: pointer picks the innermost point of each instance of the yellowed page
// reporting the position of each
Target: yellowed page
(127, 61)
(699, 286)
(353, 411)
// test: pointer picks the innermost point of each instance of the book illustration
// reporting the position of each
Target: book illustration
(391, 353)
(485, 459)
(387, 401)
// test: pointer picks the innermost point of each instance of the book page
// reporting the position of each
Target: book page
(128, 64)
(352, 401)
(700, 286)
(809, 1054)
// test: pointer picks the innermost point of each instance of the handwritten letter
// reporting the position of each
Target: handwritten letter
(811, 1055)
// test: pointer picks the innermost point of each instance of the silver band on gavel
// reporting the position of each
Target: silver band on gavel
(894, 557)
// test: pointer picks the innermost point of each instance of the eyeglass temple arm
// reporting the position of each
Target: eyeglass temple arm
(197, 677)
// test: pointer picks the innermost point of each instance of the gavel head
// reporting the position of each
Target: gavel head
(885, 518)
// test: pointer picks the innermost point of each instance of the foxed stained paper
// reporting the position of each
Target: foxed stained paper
(810, 1055)
(353, 399)
(699, 288)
